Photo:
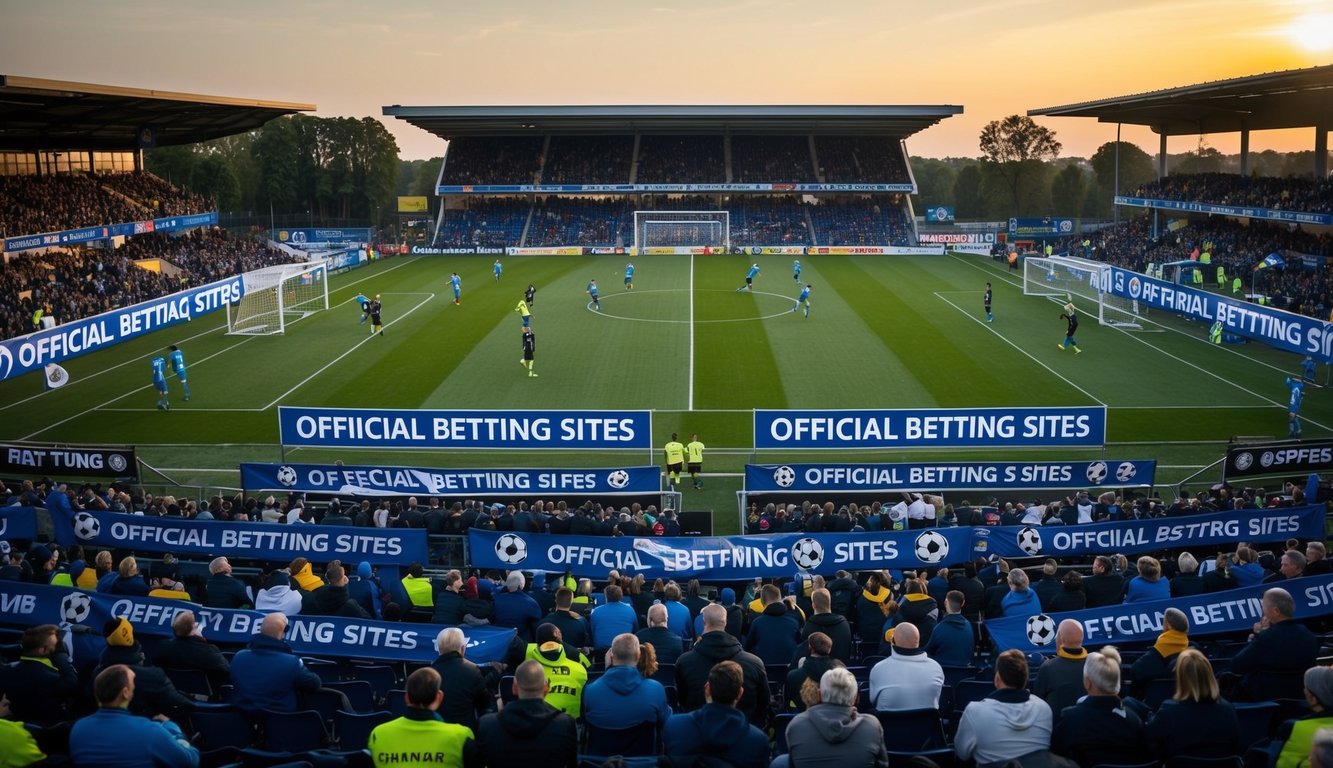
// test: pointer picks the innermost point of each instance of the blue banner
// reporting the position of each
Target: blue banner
(380, 428)
(300, 237)
(1268, 214)
(1140, 536)
(1042, 227)
(1274, 327)
(717, 557)
(53, 345)
(1083, 426)
(422, 481)
(18, 523)
(31, 604)
(1232, 610)
(939, 214)
(953, 476)
(107, 231)
(253, 541)
(717, 187)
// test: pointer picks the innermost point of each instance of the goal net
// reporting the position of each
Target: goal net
(681, 229)
(277, 296)
(1085, 283)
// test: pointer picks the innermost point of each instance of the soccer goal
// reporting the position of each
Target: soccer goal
(1085, 283)
(681, 229)
(277, 296)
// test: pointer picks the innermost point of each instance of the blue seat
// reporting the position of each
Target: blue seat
(396, 703)
(294, 731)
(912, 730)
(780, 723)
(328, 671)
(381, 677)
(1255, 720)
(221, 726)
(353, 729)
(637, 740)
(359, 694)
(325, 701)
(944, 757)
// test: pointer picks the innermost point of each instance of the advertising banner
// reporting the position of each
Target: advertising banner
(323, 636)
(92, 234)
(1041, 227)
(958, 238)
(951, 476)
(584, 189)
(1131, 537)
(380, 428)
(939, 213)
(1075, 426)
(62, 342)
(1232, 610)
(716, 557)
(1261, 459)
(423, 481)
(251, 541)
(68, 460)
(413, 204)
(456, 250)
(1268, 214)
(299, 237)
(18, 523)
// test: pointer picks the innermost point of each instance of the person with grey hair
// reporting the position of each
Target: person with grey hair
(516, 608)
(832, 734)
(468, 689)
(1280, 650)
(1316, 559)
(1021, 600)
(222, 590)
(622, 698)
(1292, 566)
(667, 644)
(1295, 738)
(1187, 580)
(1159, 662)
(1099, 729)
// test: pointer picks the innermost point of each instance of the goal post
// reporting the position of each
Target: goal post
(1085, 283)
(278, 296)
(681, 229)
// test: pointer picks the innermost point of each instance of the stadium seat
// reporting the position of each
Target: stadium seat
(1190, 761)
(968, 691)
(637, 740)
(912, 730)
(780, 723)
(219, 726)
(325, 701)
(328, 671)
(396, 703)
(352, 729)
(507, 694)
(191, 682)
(293, 731)
(1255, 721)
(943, 757)
(380, 676)
(359, 694)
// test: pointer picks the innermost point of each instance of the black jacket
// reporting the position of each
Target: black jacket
(223, 591)
(774, 634)
(1273, 665)
(448, 607)
(153, 692)
(812, 668)
(1047, 587)
(38, 693)
(1099, 730)
(329, 600)
(838, 630)
(1104, 589)
(1186, 584)
(692, 672)
(1068, 600)
(194, 653)
(666, 644)
(574, 629)
(1198, 729)
(974, 595)
(467, 689)
(528, 732)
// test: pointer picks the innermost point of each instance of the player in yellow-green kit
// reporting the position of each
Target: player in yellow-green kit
(675, 459)
(694, 459)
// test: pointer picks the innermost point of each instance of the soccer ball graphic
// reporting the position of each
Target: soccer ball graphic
(75, 607)
(784, 476)
(511, 549)
(618, 479)
(1125, 472)
(931, 547)
(1029, 540)
(1041, 629)
(1096, 472)
(807, 554)
(287, 476)
(86, 527)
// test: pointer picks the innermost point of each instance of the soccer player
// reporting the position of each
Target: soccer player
(524, 312)
(1307, 370)
(497, 269)
(364, 304)
(629, 277)
(804, 298)
(749, 278)
(177, 360)
(1070, 316)
(1215, 332)
(796, 270)
(456, 283)
(529, 349)
(530, 295)
(694, 459)
(1294, 406)
(160, 382)
(675, 459)
(375, 325)
(592, 291)
(986, 298)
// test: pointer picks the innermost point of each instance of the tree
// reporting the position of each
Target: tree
(967, 193)
(1067, 191)
(1206, 160)
(423, 178)
(1136, 168)
(1012, 146)
(934, 180)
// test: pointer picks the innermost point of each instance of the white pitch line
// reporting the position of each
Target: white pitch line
(689, 403)
(1022, 351)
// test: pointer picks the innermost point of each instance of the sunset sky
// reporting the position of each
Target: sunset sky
(994, 58)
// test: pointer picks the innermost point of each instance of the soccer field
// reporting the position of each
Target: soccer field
(884, 332)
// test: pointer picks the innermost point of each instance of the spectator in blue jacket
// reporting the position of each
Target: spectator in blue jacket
(718, 728)
(953, 642)
(267, 674)
(1021, 601)
(1149, 584)
(678, 615)
(114, 738)
(774, 633)
(622, 697)
(612, 618)
(1246, 570)
(516, 608)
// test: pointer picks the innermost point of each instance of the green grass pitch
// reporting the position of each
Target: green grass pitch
(884, 332)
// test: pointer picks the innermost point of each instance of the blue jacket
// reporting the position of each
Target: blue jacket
(953, 642)
(622, 698)
(717, 730)
(1247, 574)
(113, 738)
(1141, 590)
(610, 620)
(678, 618)
(1020, 603)
(517, 610)
(267, 675)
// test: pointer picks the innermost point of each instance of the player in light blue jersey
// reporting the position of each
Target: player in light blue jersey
(796, 270)
(177, 361)
(592, 291)
(364, 304)
(160, 382)
(1294, 406)
(749, 279)
(497, 269)
(804, 298)
(1308, 369)
(629, 277)
(456, 283)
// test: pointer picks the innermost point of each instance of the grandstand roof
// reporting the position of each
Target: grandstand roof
(1295, 98)
(451, 122)
(37, 114)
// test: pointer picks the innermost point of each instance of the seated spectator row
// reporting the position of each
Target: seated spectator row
(32, 205)
(1287, 193)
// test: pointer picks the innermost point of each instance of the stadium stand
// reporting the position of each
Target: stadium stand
(1279, 193)
(771, 158)
(497, 160)
(680, 159)
(588, 160)
(861, 158)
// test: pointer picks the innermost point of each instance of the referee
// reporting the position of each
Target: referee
(529, 349)
(694, 457)
(675, 459)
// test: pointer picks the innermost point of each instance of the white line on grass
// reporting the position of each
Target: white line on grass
(690, 399)
(1020, 349)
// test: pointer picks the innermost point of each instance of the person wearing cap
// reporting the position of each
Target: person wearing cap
(267, 674)
(42, 684)
(567, 677)
(468, 689)
(187, 649)
(420, 737)
(156, 694)
(223, 590)
(516, 608)
(529, 731)
(365, 589)
(113, 737)
(735, 625)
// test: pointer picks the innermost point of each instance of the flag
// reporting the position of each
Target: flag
(1271, 260)
(56, 376)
